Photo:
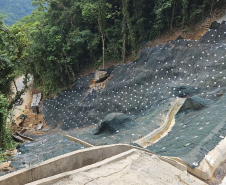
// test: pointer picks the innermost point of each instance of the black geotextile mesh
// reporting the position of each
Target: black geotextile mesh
(125, 136)
(140, 88)
(42, 149)
(195, 133)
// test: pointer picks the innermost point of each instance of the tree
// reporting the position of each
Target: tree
(102, 23)
(98, 10)
(12, 44)
(184, 11)
(173, 12)
(124, 12)
(66, 36)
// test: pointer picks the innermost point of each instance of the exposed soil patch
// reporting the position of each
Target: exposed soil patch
(219, 175)
(29, 126)
(193, 32)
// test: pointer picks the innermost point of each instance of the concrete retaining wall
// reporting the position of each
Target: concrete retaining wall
(63, 163)
(56, 178)
(75, 160)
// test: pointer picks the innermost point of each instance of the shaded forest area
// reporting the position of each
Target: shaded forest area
(15, 9)
(66, 36)
(62, 37)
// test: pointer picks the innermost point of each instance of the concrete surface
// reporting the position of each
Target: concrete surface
(132, 167)
(223, 182)
(205, 171)
(27, 95)
(74, 160)
(56, 178)
(63, 163)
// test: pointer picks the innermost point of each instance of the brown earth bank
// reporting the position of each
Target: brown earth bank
(219, 175)
(193, 32)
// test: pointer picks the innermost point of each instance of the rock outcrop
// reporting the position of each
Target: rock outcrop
(193, 103)
(100, 76)
(114, 122)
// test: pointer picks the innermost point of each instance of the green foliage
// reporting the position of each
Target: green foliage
(6, 141)
(15, 9)
(65, 36)
(13, 42)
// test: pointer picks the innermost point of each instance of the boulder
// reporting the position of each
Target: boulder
(193, 103)
(100, 76)
(183, 91)
(113, 123)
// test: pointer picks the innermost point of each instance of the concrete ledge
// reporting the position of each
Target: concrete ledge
(63, 163)
(56, 178)
(76, 160)
(176, 163)
(76, 140)
(205, 171)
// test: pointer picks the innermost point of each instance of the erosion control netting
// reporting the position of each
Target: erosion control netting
(133, 131)
(138, 89)
(195, 133)
(42, 149)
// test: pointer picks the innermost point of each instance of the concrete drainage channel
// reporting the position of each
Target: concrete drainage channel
(63, 163)
(165, 128)
(53, 170)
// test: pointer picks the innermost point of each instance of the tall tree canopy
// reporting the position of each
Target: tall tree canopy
(12, 44)
(68, 35)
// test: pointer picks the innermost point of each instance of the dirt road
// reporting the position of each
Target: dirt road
(27, 95)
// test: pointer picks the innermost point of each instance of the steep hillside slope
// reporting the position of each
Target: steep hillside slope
(143, 90)
(15, 9)
(139, 95)
(177, 68)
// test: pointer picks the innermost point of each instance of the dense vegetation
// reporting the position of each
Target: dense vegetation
(15, 9)
(62, 37)
(12, 44)
(68, 35)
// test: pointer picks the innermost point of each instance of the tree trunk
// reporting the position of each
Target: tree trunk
(183, 21)
(103, 47)
(211, 9)
(124, 32)
(15, 85)
(2, 141)
(101, 23)
(172, 17)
